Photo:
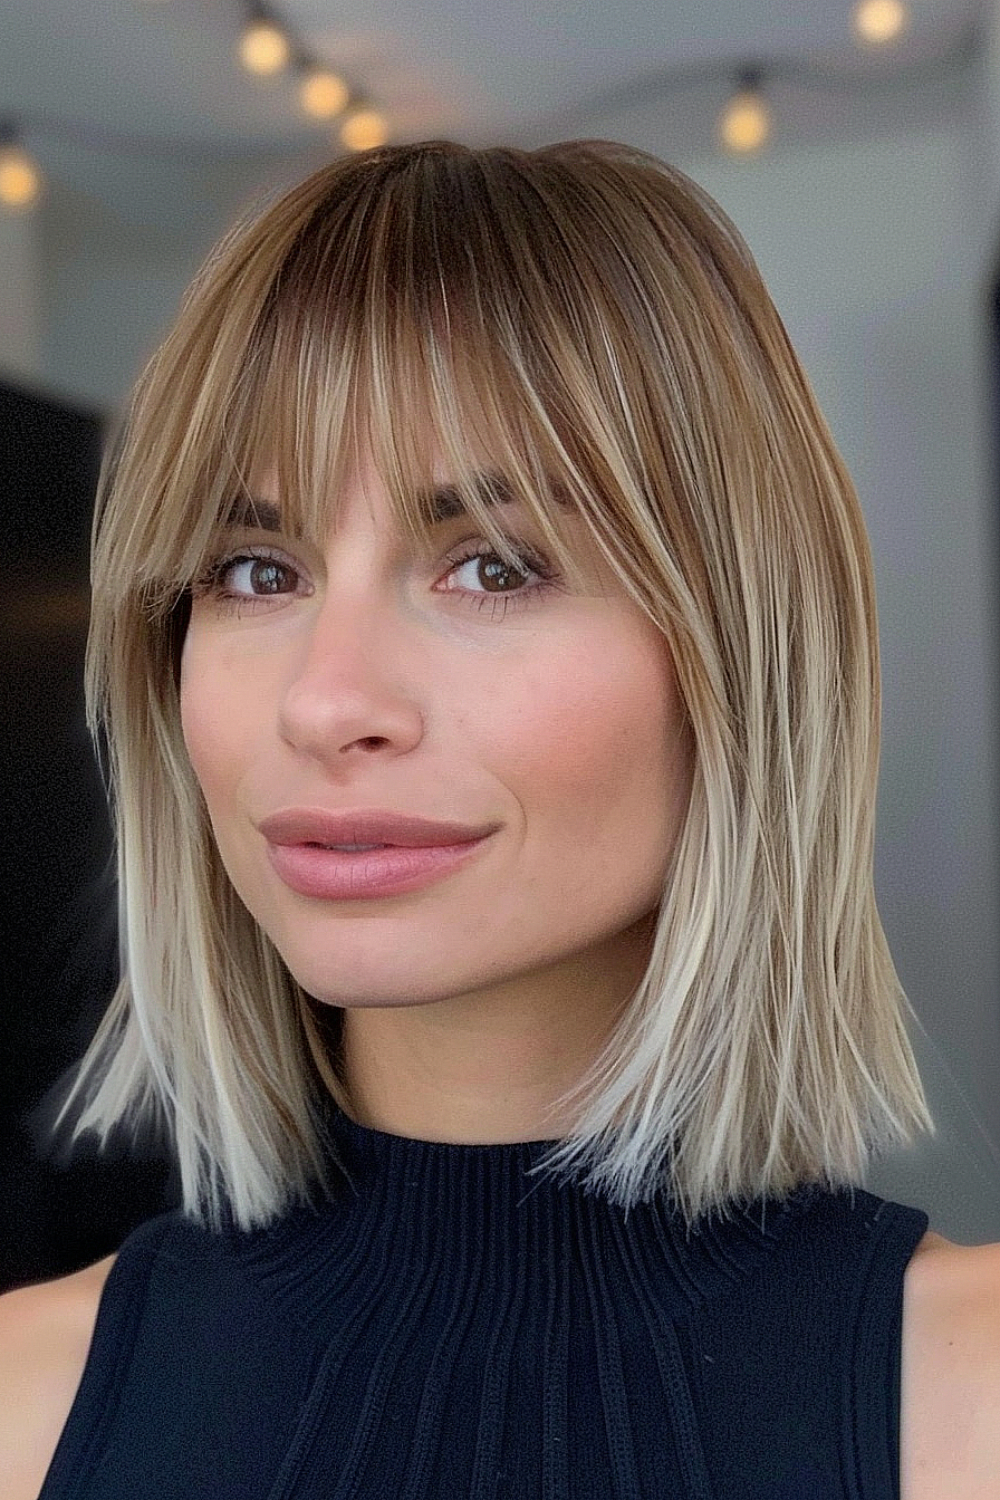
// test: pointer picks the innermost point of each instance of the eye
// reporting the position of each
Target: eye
(249, 579)
(263, 575)
(497, 575)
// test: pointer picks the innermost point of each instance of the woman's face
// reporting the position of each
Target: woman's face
(368, 677)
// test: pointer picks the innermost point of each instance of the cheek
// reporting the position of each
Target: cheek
(603, 753)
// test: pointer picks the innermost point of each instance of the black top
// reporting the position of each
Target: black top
(450, 1328)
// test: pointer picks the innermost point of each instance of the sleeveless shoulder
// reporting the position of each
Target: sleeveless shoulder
(873, 1374)
(182, 1350)
(118, 1312)
(807, 1358)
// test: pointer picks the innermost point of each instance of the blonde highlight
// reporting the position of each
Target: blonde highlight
(586, 319)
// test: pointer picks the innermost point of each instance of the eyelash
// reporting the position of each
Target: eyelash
(210, 582)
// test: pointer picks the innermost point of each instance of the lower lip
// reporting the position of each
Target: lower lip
(334, 875)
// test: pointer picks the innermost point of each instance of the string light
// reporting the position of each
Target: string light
(20, 179)
(879, 20)
(364, 128)
(264, 48)
(745, 122)
(323, 94)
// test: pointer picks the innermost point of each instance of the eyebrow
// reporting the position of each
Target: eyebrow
(444, 503)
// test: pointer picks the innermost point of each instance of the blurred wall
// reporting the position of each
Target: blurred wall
(875, 247)
(20, 313)
(110, 285)
(986, 85)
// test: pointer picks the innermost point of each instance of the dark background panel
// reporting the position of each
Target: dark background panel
(59, 920)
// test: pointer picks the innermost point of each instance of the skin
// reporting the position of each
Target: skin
(374, 681)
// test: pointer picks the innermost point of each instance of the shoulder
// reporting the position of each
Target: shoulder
(45, 1334)
(950, 1372)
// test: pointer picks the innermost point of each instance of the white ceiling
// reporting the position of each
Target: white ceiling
(113, 94)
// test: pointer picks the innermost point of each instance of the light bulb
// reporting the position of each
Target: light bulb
(745, 123)
(20, 182)
(363, 129)
(879, 20)
(264, 48)
(323, 94)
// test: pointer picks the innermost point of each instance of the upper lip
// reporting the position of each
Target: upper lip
(314, 825)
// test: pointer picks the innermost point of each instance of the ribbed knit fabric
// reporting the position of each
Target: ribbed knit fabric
(451, 1328)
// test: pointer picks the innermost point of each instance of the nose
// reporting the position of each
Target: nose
(344, 692)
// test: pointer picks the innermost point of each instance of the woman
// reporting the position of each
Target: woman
(478, 510)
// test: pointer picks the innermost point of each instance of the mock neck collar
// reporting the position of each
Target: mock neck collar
(473, 1214)
(383, 1168)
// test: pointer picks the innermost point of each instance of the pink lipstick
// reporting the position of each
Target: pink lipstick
(365, 875)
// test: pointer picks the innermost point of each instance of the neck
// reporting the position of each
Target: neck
(492, 1065)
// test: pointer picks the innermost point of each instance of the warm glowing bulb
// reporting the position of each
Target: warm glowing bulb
(20, 183)
(363, 129)
(323, 94)
(745, 123)
(879, 20)
(264, 48)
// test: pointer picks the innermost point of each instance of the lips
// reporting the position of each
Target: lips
(305, 825)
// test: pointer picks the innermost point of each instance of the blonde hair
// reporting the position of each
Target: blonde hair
(588, 318)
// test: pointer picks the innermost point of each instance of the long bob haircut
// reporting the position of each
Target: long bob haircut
(587, 318)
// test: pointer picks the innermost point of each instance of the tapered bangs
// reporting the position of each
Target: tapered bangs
(395, 397)
(381, 326)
